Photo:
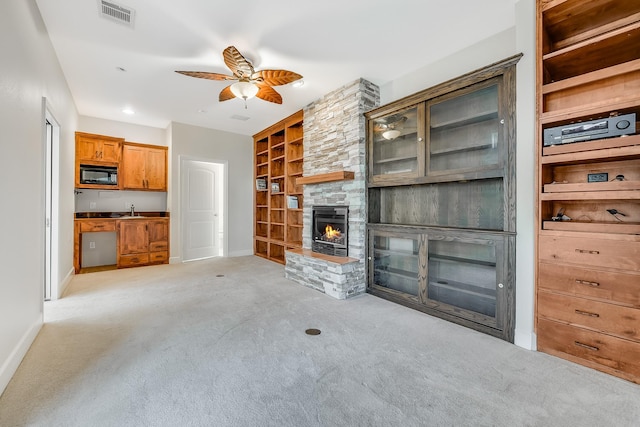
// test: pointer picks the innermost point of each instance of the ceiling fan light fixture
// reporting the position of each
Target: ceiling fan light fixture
(244, 90)
(391, 134)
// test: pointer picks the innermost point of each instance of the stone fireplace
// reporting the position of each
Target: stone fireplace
(334, 140)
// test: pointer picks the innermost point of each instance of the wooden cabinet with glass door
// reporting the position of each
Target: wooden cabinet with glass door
(441, 200)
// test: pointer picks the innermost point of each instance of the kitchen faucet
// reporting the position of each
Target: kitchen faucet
(132, 210)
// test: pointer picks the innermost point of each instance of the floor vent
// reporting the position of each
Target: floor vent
(118, 13)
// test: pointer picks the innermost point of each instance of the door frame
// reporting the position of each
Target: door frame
(51, 147)
(221, 187)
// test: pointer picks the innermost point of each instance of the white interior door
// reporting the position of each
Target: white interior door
(48, 210)
(201, 209)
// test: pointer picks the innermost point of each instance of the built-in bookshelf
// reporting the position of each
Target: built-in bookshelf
(278, 153)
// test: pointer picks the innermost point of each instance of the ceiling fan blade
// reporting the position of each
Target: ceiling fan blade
(226, 94)
(208, 76)
(237, 63)
(275, 77)
(268, 94)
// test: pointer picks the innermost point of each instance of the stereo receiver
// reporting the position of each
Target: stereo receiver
(593, 129)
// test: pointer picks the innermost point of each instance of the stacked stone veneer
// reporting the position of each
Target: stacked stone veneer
(334, 140)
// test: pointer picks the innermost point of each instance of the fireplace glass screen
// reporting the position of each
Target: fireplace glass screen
(330, 228)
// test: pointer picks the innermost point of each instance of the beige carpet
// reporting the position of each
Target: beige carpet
(222, 343)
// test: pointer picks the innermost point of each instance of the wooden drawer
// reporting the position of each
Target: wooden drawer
(622, 288)
(158, 246)
(623, 322)
(158, 257)
(599, 351)
(133, 260)
(97, 225)
(619, 253)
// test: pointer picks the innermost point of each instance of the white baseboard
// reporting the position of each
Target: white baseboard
(241, 253)
(175, 260)
(10, 365)
(525, 339)
(65, 282)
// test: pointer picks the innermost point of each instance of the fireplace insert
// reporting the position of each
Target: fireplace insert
(330, 229)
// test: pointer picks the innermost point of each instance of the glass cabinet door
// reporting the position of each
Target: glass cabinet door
(464, 130)
(397, 144)
(394, 261)
(465, 274)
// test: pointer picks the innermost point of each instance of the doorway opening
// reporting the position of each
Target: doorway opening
(203, 208)
(51, 134)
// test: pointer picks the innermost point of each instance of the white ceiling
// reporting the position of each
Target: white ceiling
(329, 42)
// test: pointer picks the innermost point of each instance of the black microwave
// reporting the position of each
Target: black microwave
(99, 175)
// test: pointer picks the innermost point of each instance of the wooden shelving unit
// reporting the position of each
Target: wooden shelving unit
(278, 157)
(588, 243)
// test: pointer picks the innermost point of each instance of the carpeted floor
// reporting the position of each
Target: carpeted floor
(222, 343)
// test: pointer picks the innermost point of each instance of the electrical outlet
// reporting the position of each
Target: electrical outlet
(92, 245)
(92, 205)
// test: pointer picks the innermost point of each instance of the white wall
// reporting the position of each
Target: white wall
(130, 132)
(29, 72)
(237, 150)
(518, 39)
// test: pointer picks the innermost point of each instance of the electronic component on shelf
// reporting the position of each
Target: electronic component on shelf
(593, 129)
(598, 177)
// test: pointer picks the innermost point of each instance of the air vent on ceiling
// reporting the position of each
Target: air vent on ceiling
(118, 13)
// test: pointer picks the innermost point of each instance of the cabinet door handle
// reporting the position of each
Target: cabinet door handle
(587, 251)
(97, 154)
(588, 347)
(586, 313)
(586, 282)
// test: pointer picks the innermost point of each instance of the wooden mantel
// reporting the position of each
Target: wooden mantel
(325, 177)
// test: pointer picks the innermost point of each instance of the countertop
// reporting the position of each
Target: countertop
(116, 215)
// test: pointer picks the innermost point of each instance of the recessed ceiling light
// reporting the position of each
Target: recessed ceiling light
(202, 111)
(298, 83)
(128, 111)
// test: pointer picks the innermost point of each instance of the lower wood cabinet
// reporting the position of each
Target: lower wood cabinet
(460, 275)
(142, 242)
(588, 300)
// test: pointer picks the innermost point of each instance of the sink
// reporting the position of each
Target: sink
(131, 217)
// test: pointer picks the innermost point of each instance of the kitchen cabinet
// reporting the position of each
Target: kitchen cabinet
(588, 210)
(97, 149)
(142, 241)
(144, 167)
(139, 240)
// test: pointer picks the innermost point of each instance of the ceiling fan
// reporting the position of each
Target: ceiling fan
(390, 126)
(249, 82)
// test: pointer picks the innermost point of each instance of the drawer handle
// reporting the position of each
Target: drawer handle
(586, 313)
(588, 347)
(587, 251)
(99, 226)
(586, 282)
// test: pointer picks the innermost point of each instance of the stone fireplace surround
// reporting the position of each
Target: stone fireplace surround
(334, 140)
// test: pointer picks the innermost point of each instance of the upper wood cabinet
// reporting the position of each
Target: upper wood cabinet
(98, 149)
(144, 167)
